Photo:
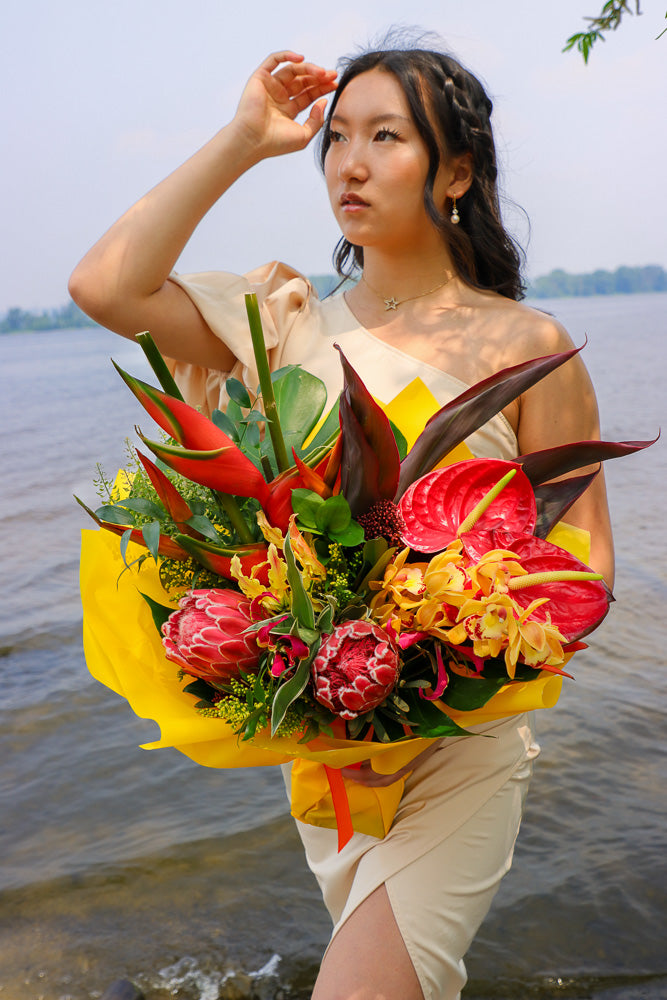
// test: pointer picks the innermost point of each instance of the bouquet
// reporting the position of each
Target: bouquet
(316, 587)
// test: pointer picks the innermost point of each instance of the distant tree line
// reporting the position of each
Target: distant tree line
(622, 281)
(557, 284)
(65, 318)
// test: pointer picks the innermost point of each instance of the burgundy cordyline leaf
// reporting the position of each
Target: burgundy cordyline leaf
(575, 607)
(553, 500)
(468, 412)
(540, 466)
(370, 463)
(438, 503)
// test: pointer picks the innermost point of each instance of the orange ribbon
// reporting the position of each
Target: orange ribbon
(341, 805)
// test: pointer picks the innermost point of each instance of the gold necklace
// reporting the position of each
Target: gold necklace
(393, 303)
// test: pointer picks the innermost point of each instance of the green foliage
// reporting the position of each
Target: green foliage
(608, 19)
(622, 281)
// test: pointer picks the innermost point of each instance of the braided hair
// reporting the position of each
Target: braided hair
(451, 111)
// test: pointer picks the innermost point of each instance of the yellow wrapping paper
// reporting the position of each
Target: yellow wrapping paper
(123, 650)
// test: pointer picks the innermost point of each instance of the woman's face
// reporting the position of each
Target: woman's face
(376, 167)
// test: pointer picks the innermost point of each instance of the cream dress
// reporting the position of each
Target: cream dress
(453, 836)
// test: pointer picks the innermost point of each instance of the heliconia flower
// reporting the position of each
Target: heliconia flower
(207, 455)
(355, 669)
(206, 636)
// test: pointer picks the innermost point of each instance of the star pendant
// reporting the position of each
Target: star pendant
(390, 304)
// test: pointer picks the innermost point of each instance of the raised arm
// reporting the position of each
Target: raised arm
(123, 281)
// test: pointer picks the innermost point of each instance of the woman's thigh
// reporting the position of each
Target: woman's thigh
(408, 938)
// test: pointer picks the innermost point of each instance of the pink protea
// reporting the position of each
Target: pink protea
(355, 669)
(205, 636)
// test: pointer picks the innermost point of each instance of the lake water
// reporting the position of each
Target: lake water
(120, 862)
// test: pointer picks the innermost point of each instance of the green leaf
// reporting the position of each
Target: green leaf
(289, 692)
(234, 411)
(467, 693)
(238, 392)
(401, 442)
(124, 542)
(253, 417)
(151, 535)
(333, 515)
(223, 423)
(300, 401)
(160, 613)
(145, 506)
(327, 433)
(350, 536)
(281, 372)
(305, 504)
(302, 607)
(114, 514)
(204, 526)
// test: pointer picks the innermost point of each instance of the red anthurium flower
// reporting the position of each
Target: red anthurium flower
(436, 506)
(575, 607)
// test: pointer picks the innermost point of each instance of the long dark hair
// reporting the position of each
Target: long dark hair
(452, 113)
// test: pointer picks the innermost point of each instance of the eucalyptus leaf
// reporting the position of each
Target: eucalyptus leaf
(144, 506)
(115, 515)
(151, 536)
(223, 423)
(204, 526)
(124, 542)
(238, 392)
(254, 417)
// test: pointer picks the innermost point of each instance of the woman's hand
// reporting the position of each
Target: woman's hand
(280, 89)
(364, 774)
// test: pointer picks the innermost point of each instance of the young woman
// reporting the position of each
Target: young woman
(409, 161)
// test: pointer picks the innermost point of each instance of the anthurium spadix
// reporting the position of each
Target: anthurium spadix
(206, 454)
(575, 605)
(435, 508)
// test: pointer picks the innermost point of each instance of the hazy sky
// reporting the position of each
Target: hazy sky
(101, 100)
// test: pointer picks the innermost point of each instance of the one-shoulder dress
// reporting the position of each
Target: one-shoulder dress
(453, 835)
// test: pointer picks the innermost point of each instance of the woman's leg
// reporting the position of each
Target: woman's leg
(407, 939)
(367, 959)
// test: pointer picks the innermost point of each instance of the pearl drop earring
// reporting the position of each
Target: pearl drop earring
(455, 217)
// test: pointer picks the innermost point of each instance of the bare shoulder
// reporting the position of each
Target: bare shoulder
(521, 331)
